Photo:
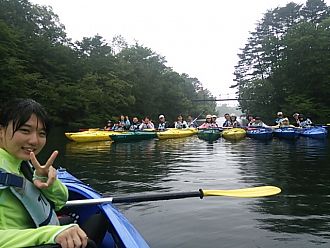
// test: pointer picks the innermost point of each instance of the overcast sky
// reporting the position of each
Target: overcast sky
(199, 37)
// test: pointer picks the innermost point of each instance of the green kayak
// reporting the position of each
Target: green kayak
(209, 134)
(133, 136)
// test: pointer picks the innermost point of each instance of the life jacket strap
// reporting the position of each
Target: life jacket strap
(8, 179)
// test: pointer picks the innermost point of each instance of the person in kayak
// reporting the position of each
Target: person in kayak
(208, 123)
(180, 123)
(118, 126)
(279, 117)
(258, 123)
(284, 123)
(135, 124)
(162, 124)
(251, 120)
(30, 192)
(233, 121)
(190, 122)
(296, 119)
(108, 126)
(214, 119)
(124, 123)
(147, 124)
(227, 122)
(244, 120)
(304, 122)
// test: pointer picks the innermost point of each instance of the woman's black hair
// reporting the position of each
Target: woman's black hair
(20, 110)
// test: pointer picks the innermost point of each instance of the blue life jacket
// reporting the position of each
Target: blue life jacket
(37, 205)
(227, 123)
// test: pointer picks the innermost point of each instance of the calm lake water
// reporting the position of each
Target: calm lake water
(298, 217)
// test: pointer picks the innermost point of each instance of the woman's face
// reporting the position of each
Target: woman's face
(30, 137)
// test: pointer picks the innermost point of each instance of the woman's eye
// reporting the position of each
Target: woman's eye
(42, 134)
(24, 130)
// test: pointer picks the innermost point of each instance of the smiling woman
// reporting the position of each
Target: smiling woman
(28, 203)
(24, 131)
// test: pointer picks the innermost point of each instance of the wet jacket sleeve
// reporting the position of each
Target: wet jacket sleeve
(16, 238)
(57, 193)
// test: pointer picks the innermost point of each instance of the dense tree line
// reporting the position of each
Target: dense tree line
(83, 83)
(285, 64)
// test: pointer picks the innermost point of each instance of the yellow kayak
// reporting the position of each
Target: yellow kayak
(89, 136)
(174, 133)
(234, 133)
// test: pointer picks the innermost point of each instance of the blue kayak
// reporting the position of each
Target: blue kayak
(289, 133)
(313, 132)
(260, 133)
(122, 233)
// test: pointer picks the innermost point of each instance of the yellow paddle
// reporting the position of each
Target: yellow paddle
(245, 193)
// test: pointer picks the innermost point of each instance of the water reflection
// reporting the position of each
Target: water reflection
(302, 170)
(78, 149)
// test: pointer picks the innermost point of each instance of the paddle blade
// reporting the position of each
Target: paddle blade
(246, 192)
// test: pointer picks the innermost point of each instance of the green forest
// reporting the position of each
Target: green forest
(285, 64)
(85, 83)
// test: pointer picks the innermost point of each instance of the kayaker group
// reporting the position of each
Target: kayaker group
(125, 124)
(299, 120)
(231, 121)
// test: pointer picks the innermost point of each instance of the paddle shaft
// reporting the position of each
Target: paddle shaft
(157, 197)
(197, 117)
(136, 198)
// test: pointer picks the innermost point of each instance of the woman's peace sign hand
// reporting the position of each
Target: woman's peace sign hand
(44, 175)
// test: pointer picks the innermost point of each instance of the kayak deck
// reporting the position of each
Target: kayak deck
(234, 133)
(313, 132)
(133, 136)
(174, 133)
(288, 133)
(91, 136)
(210, 134)
(260, 133)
